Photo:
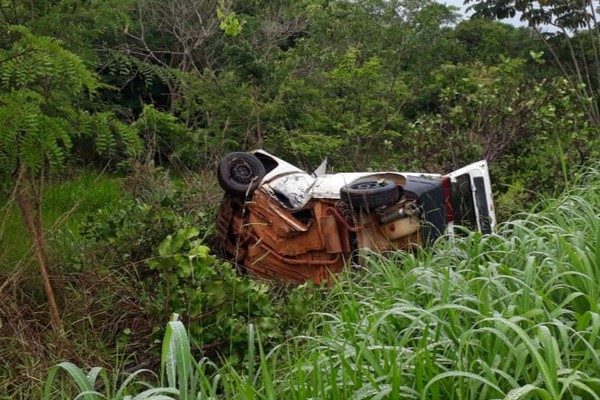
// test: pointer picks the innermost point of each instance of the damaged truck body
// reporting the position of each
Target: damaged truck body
(277, 221)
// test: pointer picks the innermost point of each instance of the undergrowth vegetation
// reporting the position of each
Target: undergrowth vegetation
(513, 315)
(126, 254)
(155, 92)
(66, 205)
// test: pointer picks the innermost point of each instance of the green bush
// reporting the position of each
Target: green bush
(217, 303)
(166, 244)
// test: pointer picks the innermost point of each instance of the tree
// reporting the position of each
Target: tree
(490, 41)
(574, 41)
(562, 14)
(517, 123)
(345, 86)
(41, 82)
(86, 28)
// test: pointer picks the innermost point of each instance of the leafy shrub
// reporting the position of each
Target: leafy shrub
(127, 233)
(532, 132)
(217, 303)
(130, 230)
(167, 139)
(165, 242)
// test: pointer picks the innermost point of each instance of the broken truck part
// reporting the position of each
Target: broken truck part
(277, 221)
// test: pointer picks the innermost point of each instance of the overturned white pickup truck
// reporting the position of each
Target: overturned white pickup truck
(280, 222)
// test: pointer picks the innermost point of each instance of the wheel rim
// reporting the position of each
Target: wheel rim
(367, 185)
(242, 172)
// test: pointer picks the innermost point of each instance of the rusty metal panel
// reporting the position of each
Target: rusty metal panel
(275, 227)
(263, 262)
(331, 236)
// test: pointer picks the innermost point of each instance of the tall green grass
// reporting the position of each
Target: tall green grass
(65, 205)
(505, 316)
(508, 316)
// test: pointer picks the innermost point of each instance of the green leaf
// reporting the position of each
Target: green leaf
(176, 361)
(78, 376)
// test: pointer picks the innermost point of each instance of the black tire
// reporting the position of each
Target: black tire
(239, 174)
(370, 193)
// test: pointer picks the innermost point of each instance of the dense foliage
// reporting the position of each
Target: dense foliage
(148, 95)
(371, 84)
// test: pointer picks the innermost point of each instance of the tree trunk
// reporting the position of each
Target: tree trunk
(35, 231)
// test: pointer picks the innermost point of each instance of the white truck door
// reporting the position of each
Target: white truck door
(471, 198)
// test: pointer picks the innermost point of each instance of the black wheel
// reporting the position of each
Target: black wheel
(370, 193)
(240, 173)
